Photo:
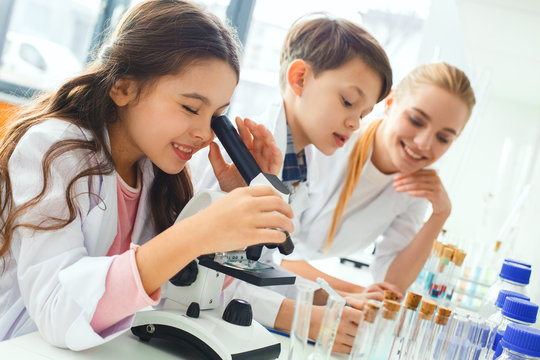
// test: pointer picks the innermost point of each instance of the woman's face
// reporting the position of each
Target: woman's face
(420, 128)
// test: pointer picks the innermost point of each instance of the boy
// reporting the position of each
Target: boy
(332, 73)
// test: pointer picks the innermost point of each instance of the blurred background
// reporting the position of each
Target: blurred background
(492, 174)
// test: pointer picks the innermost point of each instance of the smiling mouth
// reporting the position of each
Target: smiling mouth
(182, 148)
(411, 153)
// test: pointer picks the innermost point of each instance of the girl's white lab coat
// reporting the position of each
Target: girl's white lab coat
(53, 280)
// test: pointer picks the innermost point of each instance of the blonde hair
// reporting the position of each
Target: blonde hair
(442, 75)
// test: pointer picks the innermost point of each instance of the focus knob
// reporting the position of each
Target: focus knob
(193, 310)
(238, 312)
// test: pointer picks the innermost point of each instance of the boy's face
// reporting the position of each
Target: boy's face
(330, 105)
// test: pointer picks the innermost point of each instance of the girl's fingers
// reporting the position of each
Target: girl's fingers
(270, 236)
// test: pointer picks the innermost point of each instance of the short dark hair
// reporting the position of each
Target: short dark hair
(327, 43)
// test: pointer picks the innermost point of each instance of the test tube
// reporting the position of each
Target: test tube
(448, 347)
(384, 330)
(420, 330)
(405, 322)
(329, 326)
(438, 286)
(300, 324)
(437, 332)
(365, 332)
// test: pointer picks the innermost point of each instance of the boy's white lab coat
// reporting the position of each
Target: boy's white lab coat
(53, 280)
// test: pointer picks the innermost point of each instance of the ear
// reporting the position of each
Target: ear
(296, 75)
(123, 91)
(388, 101)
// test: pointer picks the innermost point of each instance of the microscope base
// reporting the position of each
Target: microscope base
(216, 338)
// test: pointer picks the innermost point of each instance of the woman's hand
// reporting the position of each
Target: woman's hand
(261, 144)
(347, 328)
(426, 184)
(372, 292)
(246, 216)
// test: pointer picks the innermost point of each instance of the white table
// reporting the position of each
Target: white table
(126, 346)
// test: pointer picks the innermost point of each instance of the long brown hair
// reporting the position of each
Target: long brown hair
(155, 38)
(442, 75)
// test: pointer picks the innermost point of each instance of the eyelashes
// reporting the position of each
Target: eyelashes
(188, 109)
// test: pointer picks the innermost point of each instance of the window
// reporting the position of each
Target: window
(396, 25)
(48, 41)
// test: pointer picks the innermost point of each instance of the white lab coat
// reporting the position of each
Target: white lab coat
(54, 279)
(375, 212)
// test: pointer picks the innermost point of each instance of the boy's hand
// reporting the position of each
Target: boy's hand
(347, 328)
(260, 143)
(426, 184)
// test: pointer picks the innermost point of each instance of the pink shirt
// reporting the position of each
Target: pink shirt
(124, 293)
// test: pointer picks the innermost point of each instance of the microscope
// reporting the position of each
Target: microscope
(190, 311)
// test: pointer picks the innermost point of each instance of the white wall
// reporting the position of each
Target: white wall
(486, 169)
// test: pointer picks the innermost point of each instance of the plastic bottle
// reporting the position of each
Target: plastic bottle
(384, 330)
(520, 343)
(512, 277)
(515, 311)
(365, 332)
(499, 303)
(405, 322)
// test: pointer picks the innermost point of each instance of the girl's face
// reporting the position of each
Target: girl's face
(171, 119)
(420, 128)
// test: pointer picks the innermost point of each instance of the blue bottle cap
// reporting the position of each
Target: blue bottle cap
(498, 351)
(520, 309)
(515, 272)
(522, 339)
(503, 294)
(518, 262)
(497, 340)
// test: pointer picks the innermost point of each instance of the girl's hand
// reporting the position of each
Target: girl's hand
(246, 216)
(347, 328)
(425, 183)
(262, 146)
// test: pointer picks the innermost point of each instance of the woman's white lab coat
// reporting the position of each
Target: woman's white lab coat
(54, 279)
